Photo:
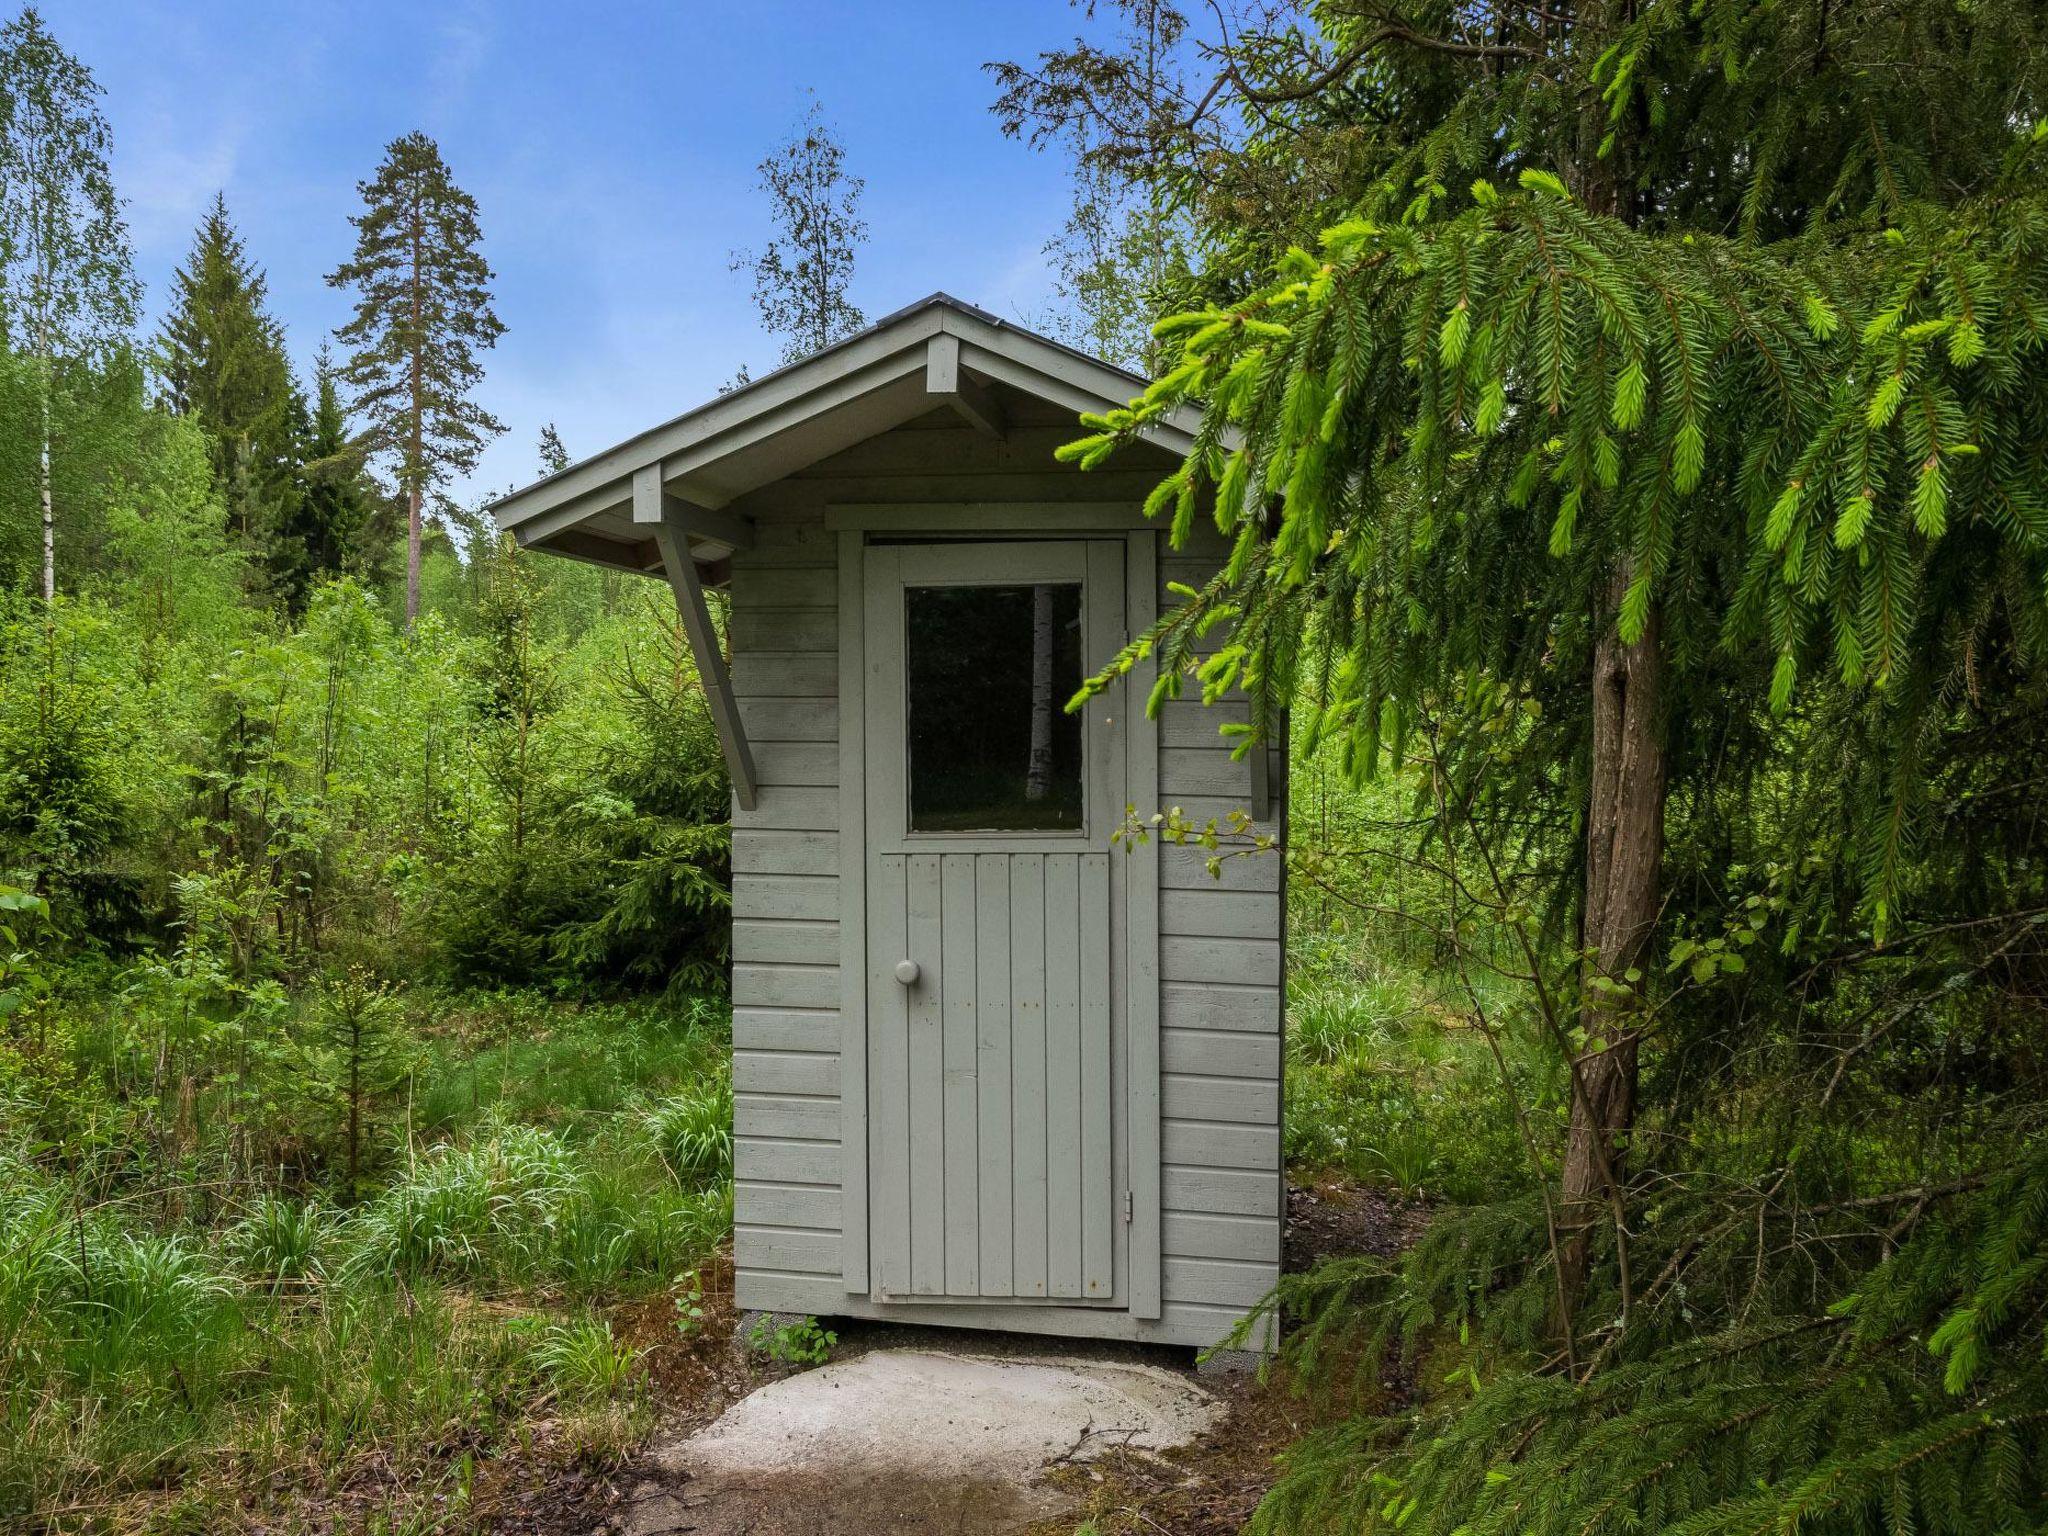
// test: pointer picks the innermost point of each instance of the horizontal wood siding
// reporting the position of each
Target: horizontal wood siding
(785, 933)
(1220, 942)
(1219, 1013)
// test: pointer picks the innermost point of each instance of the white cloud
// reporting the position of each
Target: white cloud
(169, 174)
(462, 42)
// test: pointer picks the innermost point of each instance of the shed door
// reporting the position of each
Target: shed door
(997, 1163)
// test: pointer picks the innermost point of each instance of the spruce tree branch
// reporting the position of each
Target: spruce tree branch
(1389, 31)
(1548, 1011)
(1522, 1126)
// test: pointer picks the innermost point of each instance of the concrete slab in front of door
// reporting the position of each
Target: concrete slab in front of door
(912, 1439)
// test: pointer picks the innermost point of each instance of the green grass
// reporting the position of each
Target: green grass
(522, 1206)
(692, 1131)
(169, 1361)
(515, 1055)
(1389, 1080)
(582, 1360)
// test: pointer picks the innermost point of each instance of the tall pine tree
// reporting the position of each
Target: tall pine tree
(423, 312)
(221, 357)
(67, 287)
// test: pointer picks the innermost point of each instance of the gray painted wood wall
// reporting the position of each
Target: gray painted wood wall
(1219, 949)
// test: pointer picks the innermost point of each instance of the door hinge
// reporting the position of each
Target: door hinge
(1127, 1207)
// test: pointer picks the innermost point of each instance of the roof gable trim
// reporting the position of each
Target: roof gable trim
(897, 348)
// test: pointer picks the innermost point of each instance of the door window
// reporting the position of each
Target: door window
(989, 672)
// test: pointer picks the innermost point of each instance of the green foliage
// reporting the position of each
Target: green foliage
(361, 801)
(689, 1303)
(1578, 424)
(693, 1131)
(1124, 250)
(1827, 1318)
(574, 1070)
(100, 414)
(517, 1204)
(358, 1054)
(337, 525)
(67, 286)
(262, 1214)
(659, 822)
(20, 977)
(1807, 448)
(802, 1342)
(1914, 1401)
(60, 809)
(418, 233)
(802, 275)
(1708, 332)
(582, 1360)
(1387, 1081)
(143, 1334)
(422, 313)
(222, 361)
(281, 1240)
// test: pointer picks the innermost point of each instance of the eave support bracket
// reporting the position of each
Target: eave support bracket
(967, 395)
(672, 532)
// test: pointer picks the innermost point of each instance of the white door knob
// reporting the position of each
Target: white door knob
(907, 972)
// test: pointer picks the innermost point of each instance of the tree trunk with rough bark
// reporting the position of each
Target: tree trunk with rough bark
(415, 461)
(1625, 801)
(1624, 858)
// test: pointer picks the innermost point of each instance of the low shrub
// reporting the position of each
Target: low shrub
(281, 1240)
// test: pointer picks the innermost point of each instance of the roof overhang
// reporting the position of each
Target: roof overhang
(686, 473)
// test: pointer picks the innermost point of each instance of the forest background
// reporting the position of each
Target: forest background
(1638, 528)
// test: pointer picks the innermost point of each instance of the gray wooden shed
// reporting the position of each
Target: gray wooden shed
(990, 1069)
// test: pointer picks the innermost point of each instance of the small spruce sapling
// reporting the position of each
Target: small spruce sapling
(362, 1053)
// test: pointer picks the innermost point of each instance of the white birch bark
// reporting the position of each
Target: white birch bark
(49, 506)
(1038, 776)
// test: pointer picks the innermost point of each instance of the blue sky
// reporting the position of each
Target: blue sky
(612, 148)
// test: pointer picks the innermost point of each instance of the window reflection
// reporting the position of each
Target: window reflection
(990, 670)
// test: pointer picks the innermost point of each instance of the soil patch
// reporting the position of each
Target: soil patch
(824, 1504)
(1331, 1216)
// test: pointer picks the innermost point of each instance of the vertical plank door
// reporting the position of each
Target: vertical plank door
(990, 1078)
(993, 1077)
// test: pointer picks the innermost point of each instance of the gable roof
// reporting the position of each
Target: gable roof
(935, 350)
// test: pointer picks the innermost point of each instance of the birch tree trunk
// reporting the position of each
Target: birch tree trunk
(49, 504)
(1038, 775)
